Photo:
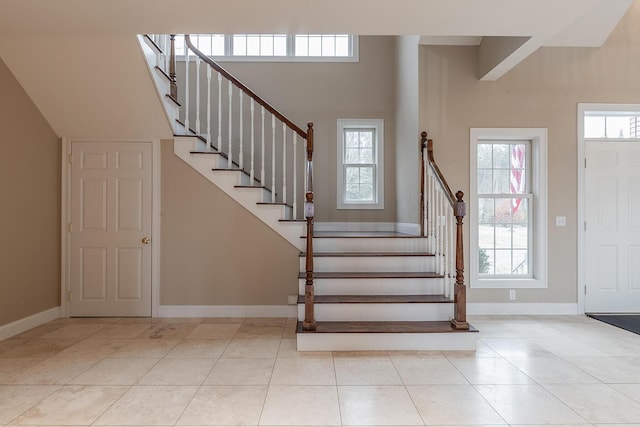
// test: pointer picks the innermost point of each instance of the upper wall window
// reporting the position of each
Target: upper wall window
(508, 208)
(611, 125)
(274, 47)
(361, 164)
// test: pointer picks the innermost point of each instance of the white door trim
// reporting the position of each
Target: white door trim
(582, 107)
(65, 216)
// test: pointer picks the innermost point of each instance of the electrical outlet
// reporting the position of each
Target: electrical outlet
(512, 294)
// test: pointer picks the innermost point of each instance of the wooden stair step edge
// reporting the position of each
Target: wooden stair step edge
(373, 275)
(369, 254)
(439, 326)
(378, 299)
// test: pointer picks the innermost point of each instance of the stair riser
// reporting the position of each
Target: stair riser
(371, 264)
(357, 244)
(366, 342)
(261, 195)
(375, 286)
(380, 312)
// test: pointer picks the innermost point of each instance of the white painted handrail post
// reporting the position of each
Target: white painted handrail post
(252, 173)
(219, 147)
(198, 95)
(230, 153)
(241, 133)
(295, 176)
(186, 86)
(273, 158)
(209, 141)
(284, 163)
(262, 172)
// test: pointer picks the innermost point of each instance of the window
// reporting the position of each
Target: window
(361, 164)
(275, 47)
(508, 208)
(611, 125)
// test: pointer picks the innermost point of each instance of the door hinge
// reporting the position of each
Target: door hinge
(70, 227)
(69, 295)
(70, 159)
(585, 162)
(585, 290)
(585, 226)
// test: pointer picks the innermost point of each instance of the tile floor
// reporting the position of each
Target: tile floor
(527, 370)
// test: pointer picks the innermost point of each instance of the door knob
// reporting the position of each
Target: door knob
(146, 240)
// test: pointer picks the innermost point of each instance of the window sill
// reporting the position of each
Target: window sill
(508, 284)
(360, 206)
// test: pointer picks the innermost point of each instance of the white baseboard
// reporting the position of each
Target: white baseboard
(30, 322)
(406, 228)
(478, 308)
(227, 311)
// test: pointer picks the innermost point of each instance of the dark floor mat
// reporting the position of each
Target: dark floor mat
(629, 322)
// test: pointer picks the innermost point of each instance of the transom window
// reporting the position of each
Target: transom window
(340, 47)
(611, 125)
(360, 172)
(508, 208)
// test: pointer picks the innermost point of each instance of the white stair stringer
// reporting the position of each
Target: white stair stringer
(249, 198)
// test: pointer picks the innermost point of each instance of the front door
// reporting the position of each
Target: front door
(111, 211)
(612, 236)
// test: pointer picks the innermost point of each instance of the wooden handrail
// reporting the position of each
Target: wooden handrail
(432, 161)
(245, 89)
(459, 208)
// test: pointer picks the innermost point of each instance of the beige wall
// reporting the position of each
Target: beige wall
(542, 91)
(323, 92)
(29, 206)
(213, 250)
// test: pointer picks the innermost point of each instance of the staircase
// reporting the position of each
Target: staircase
(357, 290)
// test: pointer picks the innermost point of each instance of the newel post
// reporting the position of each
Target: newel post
(423, 145)
(173, 87)
(309, 323)
(459, 320)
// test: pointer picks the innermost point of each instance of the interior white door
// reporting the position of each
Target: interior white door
(111, 213)
(612, 236)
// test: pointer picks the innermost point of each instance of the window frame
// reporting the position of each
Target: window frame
(537, 244)
(290, 48)
(378, 148)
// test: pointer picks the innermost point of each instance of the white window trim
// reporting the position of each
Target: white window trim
(538, 138)
(354, 57)
(361, 123)
(582, 141)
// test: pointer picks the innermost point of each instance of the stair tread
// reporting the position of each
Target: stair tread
(377, 299)
(374, 275)
(367, 254)
(253, 186)
(439, 326)
(363, 234)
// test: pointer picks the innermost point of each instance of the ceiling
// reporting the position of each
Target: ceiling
(554, 22)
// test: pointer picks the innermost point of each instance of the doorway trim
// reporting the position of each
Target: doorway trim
(65, 219)
(582, 108)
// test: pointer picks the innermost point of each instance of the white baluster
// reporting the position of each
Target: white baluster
(447, 248)
(219, 147)
(295, 175)
(262, 172)
(430, 210)
(241, 155)
(198, 95)
(167, 53)
(273, 158)
(230, 153)
(284, 163)
(452, 258)
(253, 143)
(441, 235)
(186, 86)
(209, 142)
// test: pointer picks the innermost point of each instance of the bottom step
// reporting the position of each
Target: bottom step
(363, 336)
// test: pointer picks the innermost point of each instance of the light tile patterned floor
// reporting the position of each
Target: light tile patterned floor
(527, 370)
